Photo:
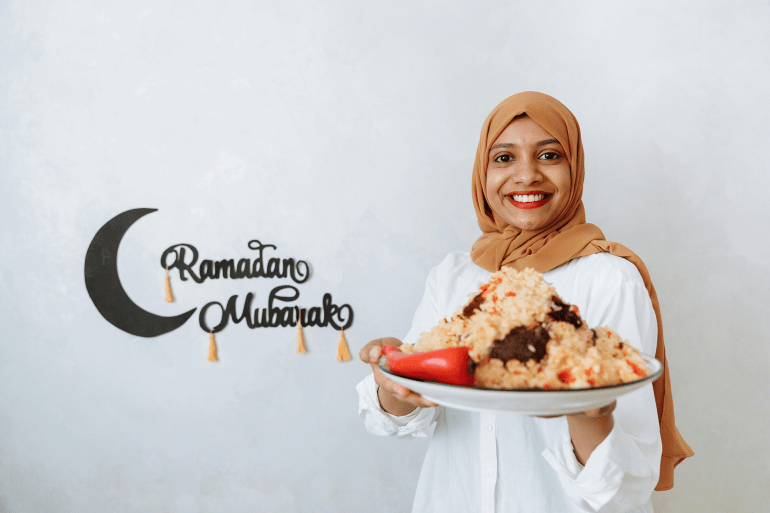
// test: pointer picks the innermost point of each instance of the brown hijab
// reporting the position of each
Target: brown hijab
(568, 237)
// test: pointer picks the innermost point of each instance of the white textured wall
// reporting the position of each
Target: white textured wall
(344, 133)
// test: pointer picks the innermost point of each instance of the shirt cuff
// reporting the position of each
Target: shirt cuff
(601, 478)
(379, 422)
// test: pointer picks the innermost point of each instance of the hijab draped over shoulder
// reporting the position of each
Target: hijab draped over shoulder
(567, 237)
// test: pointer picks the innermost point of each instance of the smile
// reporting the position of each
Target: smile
(535, 200)
(528, 198)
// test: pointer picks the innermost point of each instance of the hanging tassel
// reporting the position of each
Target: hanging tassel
(343, 353)
(300, 338)
(212, 348)
(169, 295)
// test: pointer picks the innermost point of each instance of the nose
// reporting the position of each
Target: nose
(526, 172)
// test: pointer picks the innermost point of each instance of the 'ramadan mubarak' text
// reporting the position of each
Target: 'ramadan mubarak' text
(184, 257)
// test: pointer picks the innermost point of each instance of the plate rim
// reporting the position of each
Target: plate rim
(647, 358)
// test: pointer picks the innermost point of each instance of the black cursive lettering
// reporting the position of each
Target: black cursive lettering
(260, 267)
(300, 276)
(202, 318)
(274, 315)
(282, 316)
(179, 261)
(245, 312)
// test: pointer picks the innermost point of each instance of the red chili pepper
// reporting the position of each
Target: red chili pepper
(451, 365)
(566, 376)
(387, 349)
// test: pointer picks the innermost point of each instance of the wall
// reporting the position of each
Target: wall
(344, 134)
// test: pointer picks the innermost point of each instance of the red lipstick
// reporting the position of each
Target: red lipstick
(530, 204)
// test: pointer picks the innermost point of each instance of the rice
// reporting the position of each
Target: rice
(522, 335)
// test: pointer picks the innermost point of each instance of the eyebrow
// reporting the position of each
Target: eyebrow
(511, 145)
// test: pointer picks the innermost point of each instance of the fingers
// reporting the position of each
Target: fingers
(374, 354)
(399, 392)
(371, 352)
(418, 400)
(367, 349)
(413, 398)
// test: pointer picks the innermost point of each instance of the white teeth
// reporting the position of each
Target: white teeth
(528, 198)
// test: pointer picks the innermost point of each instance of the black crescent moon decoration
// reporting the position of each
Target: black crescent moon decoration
(104, 287)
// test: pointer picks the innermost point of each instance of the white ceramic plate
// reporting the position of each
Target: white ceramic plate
(523, 402)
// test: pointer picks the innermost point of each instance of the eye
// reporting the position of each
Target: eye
(504, 158)
(549, 155)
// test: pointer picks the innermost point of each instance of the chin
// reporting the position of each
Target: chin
(525, 225)
(528, 222)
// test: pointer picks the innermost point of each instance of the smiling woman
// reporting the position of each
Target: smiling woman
(528, 176)
(527, 187)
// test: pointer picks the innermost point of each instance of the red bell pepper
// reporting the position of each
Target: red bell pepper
(452, 365)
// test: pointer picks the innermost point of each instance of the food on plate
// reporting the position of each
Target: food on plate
(520, 334)
(451, 365)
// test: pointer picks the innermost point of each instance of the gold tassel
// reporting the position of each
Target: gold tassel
(169, 295)
(343, 353)
(300, 338)
(212, 348)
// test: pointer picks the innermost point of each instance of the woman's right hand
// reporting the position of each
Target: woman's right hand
(394, 398)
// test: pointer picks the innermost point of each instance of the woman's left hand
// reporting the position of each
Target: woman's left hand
(589, 428)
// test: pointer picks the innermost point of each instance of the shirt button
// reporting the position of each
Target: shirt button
(489, 427)
(490, 473)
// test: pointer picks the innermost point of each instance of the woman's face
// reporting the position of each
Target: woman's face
(528, 175)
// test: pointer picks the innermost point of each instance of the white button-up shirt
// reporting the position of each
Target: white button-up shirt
(487, 462)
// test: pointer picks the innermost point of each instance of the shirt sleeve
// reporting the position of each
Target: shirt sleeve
(622, 471)
(378, 422)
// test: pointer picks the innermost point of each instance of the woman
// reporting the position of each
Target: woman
(527, 188)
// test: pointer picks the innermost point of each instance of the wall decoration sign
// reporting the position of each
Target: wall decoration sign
(111, 300)
(105, 289)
